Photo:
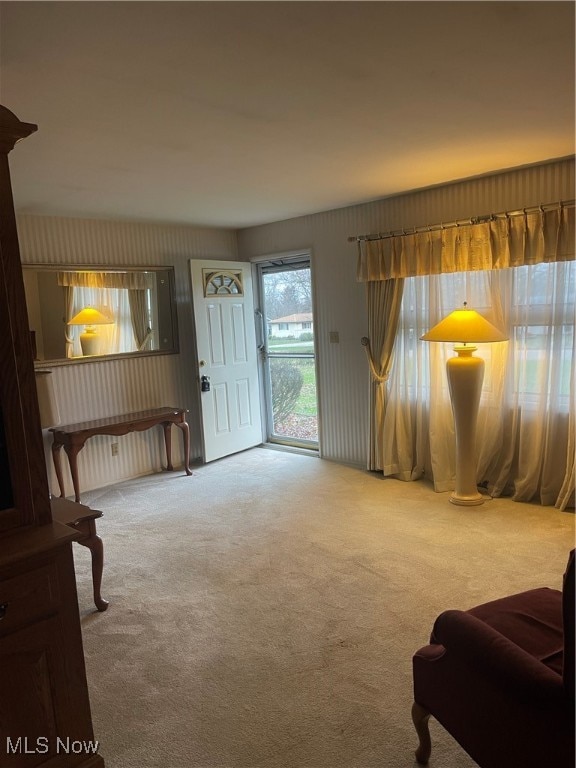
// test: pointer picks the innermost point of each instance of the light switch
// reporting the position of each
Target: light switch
(334, 337)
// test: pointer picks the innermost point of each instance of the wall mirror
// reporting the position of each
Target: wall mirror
(79, 314)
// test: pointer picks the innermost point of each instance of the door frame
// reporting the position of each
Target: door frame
(278, 259)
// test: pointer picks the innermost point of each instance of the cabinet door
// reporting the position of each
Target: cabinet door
(47, 714)
(29, 659)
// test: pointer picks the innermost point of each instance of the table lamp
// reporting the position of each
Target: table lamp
(89, 317)
(465, 327)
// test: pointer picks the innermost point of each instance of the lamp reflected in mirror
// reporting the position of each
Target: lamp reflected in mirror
(89, 338)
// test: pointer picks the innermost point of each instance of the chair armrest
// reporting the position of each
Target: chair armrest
(492, 655)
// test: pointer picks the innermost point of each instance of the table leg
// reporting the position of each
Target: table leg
(168, 442)
(72, 452)
(96, 547)
(183, 425)
(58, 466)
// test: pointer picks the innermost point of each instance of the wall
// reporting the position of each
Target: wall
(96, 389)
(340, 300)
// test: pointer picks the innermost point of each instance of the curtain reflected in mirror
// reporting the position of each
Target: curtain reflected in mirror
(77, 314)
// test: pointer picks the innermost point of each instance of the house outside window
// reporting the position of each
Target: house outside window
(291, 325)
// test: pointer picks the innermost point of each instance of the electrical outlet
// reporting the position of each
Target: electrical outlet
(114, 449)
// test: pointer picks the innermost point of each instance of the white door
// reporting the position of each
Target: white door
(227, 356)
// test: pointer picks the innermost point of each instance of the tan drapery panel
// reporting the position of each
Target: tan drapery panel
(384, 302)
(68, 314)
(530, 238)
(566, 494)
(138, 316)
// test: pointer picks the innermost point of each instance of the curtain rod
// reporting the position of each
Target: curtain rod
(461, 222)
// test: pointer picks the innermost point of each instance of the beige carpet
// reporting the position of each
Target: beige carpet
(264, 611)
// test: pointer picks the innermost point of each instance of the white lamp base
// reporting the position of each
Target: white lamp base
(466, 501)
(465, 374)
(89, 342)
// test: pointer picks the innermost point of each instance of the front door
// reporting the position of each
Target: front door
(227, 356)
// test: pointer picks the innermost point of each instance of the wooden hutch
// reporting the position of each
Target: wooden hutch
(45, 715)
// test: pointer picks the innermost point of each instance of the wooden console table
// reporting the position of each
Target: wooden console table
(73, 437)
(83, 519)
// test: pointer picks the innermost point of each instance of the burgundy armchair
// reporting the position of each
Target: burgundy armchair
(500, 679)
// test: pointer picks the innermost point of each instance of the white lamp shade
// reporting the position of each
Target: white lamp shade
(464, 326)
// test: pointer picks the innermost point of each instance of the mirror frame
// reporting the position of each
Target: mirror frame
(169, 269)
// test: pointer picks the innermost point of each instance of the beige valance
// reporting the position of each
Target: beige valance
(91, 279)
(508, 241)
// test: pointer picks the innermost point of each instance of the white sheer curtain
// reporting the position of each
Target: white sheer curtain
(525, 436)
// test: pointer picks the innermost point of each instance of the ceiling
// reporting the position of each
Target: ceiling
(233, 114)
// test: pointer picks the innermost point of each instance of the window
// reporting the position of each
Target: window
(222, 282)
(535, 304)
(542, 332)
(526, 403)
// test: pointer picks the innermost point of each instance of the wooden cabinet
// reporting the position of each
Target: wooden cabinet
(44, 707)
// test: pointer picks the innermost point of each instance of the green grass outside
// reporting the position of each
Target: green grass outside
(290, 346)
(306, 404)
